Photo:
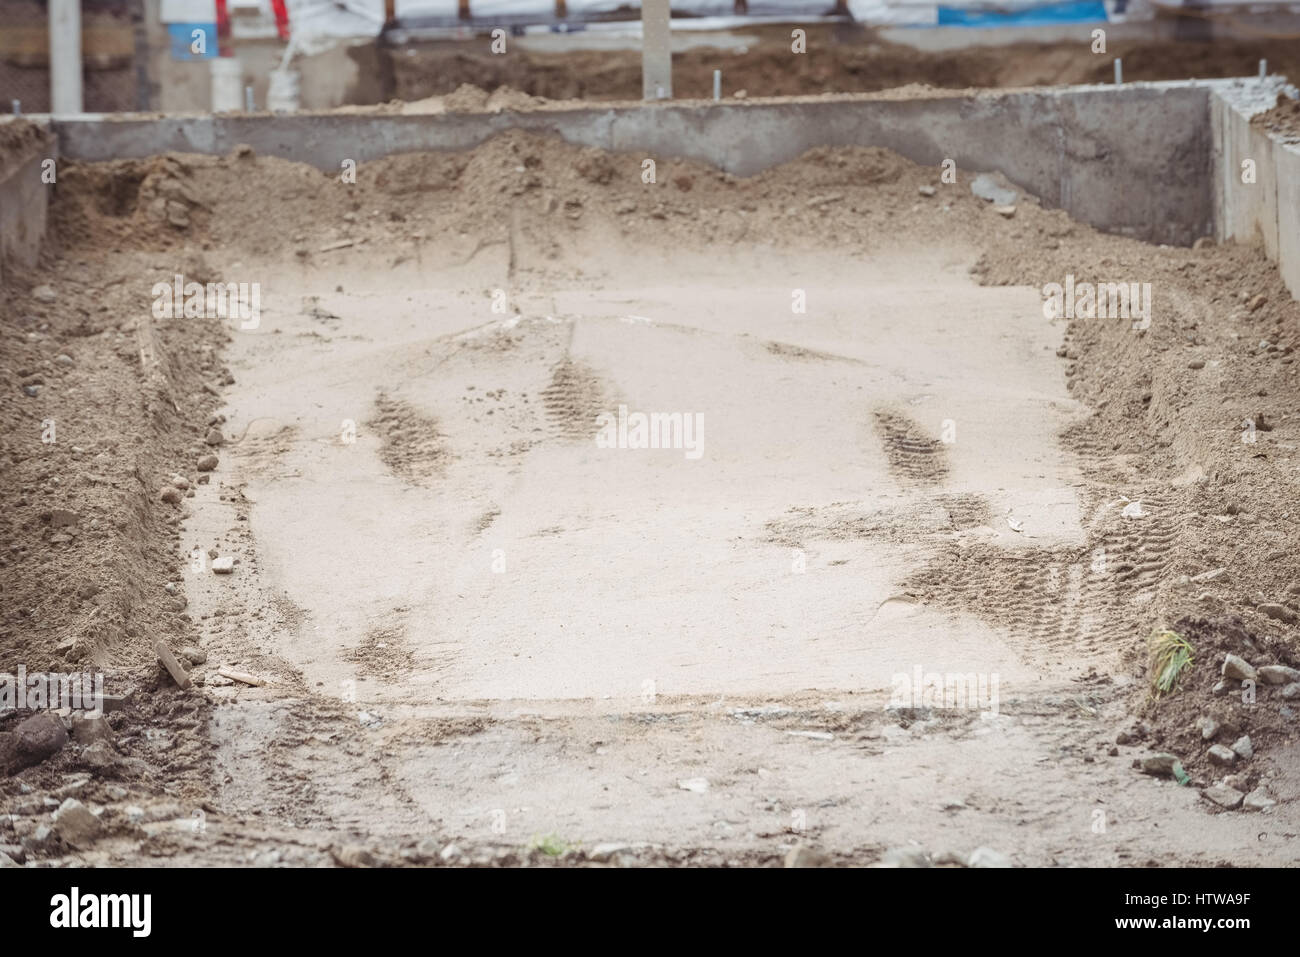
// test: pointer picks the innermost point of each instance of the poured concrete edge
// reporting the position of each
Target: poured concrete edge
(1143, 170)
(1154, 161)
(1267, 209)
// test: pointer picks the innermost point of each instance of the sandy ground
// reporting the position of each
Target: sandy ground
(487, 639)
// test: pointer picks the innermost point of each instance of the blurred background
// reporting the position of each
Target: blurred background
(199, 55)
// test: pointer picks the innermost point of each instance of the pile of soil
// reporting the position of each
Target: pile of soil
(840, 59)
(1283, 118)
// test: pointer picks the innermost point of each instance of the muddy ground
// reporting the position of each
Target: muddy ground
(485, 640)
(839, 59)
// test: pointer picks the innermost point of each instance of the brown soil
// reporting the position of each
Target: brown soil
(838, 60)
(1166, 424)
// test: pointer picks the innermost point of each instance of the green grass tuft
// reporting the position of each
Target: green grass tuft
(1171, 655)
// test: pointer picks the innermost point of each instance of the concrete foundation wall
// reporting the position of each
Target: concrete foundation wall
(1135, 161)
(24, 198)
(1161, 162)
(1269, 208)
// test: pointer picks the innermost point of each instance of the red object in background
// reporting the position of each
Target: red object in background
(281, 17)
(223, 29)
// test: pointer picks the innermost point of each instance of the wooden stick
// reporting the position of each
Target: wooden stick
(247, 679)
(171, 664)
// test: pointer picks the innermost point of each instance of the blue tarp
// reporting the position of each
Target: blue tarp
(1069, 11)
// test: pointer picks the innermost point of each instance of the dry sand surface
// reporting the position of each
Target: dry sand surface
(486, 638)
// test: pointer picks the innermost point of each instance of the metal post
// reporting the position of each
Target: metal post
(1119, 71)
(65, 56)
(250, 104)
(717, 84)
(656, 50)
(1263, 69)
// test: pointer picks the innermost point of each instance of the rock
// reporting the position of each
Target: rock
(44, 294)
(100, 757)
(10, 761)
(1243, 748)
(14, 851)
(1256, 302)
(803, 856)
(39, 737)
(353, 855)
(1238, 782)
(698, 785)
(7, 861)
(1220, 687)
(1209, 727)
(926, 190)
(451, 853)
(987, 857)
(1223, 796)
(986, 187)
(223, 565)
(906, 857)
(1196, 364)
(171, 496)
(1290, 691)
(949, 859)
(1279, 612)
(214, 437)
(1257, 800)
(207, 463)
(1160, 764)
(88, 730)
(1223, 756)
(31, 391)
(1209, 576)
(196, 656)
(1238, 669)
(66, 518)
(1278, 675)
(76, 825)
(1006, 212)
(604, 852)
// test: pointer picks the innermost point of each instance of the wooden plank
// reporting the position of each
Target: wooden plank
(171, 664)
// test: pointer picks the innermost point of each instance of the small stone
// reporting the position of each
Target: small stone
(1257, 800)
(1243, 748)
(1279, 612)
(1223, 796)
(802, 856)
(7, 861)
(1160, 764)
(1221, 755)
(451, 853)
(926, 190)
(1256, 302)
(100, 756)
(987, 857)
(1209, 576)
(698, 785)
(214, 437)
(1006, 212)
(76, 825)
(353, 855)
(171, 496)
(31, 391)
(906, 857)
(1209, 727)
(1290, 691)
(1220, 687)
(1238, 669)
(196, 656)
(39, 737)
(224, 565)
(44, 294)
(88, 730)
(1278, 675)
(207, 463)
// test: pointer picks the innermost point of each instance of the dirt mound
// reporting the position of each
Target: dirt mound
(1283, 118)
